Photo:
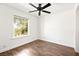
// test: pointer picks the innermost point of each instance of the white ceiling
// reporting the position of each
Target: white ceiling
(54, 8)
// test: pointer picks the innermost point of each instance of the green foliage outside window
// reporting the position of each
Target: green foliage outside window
(20, 26)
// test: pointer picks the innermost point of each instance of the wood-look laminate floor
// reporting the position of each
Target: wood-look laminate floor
(40, 48)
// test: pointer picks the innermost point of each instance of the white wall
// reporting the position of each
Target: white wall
(77, 29)
(59, 28)
(6, 28)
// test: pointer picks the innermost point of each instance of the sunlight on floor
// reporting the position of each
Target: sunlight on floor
(25, 52)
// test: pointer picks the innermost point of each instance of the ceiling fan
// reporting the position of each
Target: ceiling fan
(40, 8)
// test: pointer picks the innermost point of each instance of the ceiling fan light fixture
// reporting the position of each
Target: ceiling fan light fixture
(40, 8)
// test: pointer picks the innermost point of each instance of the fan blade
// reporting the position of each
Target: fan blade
(47, 5)
(39, 13)
(33, 5)
(33, 11)
(46, 11)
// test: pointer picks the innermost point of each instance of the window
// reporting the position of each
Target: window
(20, 26)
